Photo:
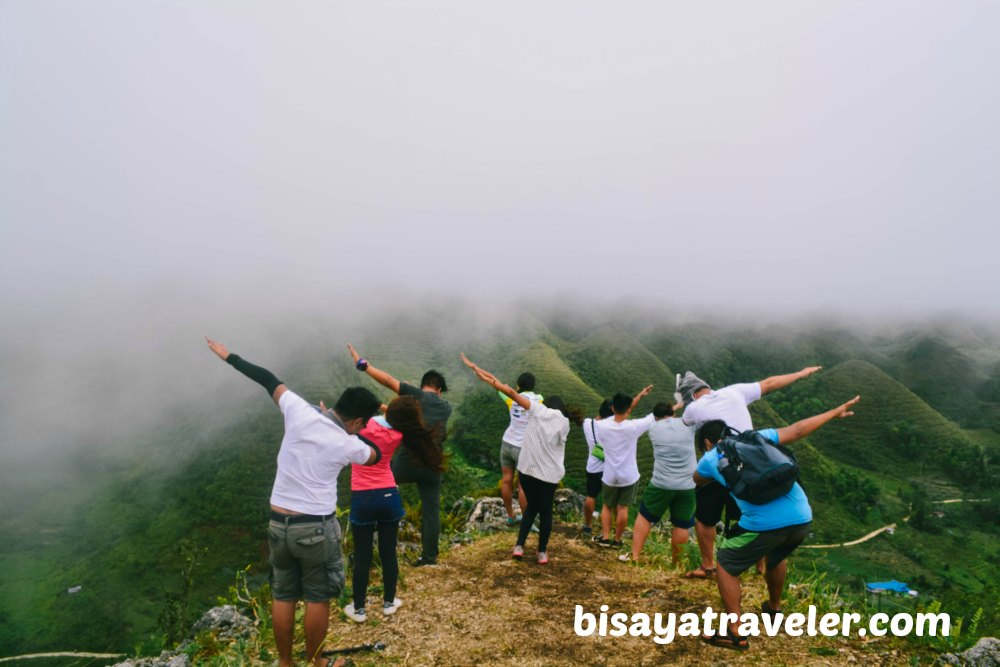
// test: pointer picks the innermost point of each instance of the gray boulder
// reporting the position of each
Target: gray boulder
(568, 501)
(166, 659)
(487, 514)
(986, 653)
(226, 622)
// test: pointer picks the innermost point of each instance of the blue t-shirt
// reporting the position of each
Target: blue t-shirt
(791, 509)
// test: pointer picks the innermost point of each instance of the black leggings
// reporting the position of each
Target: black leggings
(364, 537)
(540, 496)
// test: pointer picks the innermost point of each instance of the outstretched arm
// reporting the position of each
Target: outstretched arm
(779, 381)
(380, 376)
(641, 395)
(801, 429)
(491, 380)
(261, 376)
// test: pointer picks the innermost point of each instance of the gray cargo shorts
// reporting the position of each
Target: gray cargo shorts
(306, 560)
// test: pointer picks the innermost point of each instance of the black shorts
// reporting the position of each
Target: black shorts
(743, 548)
(594, 484)
(711, 499)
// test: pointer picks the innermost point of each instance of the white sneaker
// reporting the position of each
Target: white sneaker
(356, 616)
(390, 608)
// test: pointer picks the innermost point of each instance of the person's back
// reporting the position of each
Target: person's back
(673, 454)
(791, 509)
(514, 435)
(436, 410)
(378, 476)
(619, 440)
(545, 444)
(728, 404)
(313, 451)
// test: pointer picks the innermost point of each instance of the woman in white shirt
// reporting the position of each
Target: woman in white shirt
(540, 466)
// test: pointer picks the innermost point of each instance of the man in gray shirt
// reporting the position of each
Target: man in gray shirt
(672, 486)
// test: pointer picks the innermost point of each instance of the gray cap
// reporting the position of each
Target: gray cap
(688, 385)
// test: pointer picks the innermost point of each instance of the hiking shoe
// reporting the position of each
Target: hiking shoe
(587, 530)
(513, 521)
(615, 543)
(603, 541)
(390, 608)
(422, 561)
(358, 616)
(518, 552)
(543, 558)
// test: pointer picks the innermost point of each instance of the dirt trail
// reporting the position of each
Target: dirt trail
(480, 607)
(891, 526)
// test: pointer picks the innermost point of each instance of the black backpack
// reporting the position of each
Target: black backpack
(755, 469)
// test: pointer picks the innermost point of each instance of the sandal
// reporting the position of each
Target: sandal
(701, 573)
(766, 610)
(347, 662)
(733, 642)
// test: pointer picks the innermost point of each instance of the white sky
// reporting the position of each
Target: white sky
(779, 154)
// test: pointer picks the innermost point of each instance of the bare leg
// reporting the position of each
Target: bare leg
(706, 544)
(283, 620)
(775, 578)
(588, 511)
(732, 593)
(639, 534)
(678, 538)
(605, 522)
(317, 621)
(621, 522)
(507, 490)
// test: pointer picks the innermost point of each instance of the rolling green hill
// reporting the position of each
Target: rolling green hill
(164, 532)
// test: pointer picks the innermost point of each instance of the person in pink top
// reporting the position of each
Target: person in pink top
(375, 502)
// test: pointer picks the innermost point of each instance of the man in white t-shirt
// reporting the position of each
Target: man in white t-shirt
(510, 445)
(595, 464)
(730, 405)
(619, 436)
(304, 534)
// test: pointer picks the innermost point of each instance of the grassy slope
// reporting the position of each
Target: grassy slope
(125, 544)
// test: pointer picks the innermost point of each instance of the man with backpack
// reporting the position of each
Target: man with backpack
(775, 510)
(729, 404)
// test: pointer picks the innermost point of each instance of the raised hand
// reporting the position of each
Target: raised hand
(465, 360)
(354, 353)
(845, 409)
(806, 372)
(217, 347)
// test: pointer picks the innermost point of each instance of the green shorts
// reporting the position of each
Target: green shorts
(619, 496)
(656, 502)
(306, 560)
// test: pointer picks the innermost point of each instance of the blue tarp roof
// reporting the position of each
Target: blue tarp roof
(894, 586)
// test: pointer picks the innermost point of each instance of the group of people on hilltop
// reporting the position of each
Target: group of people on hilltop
(402, 443)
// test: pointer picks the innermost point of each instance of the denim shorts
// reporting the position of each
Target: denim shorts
(306, 560)
(375, 505)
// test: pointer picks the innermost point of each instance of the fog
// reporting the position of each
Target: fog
(271, 173)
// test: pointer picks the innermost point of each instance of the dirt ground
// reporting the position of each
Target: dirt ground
(478, 606)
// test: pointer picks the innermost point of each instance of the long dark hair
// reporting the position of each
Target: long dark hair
(575, 415)
(406, 416)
